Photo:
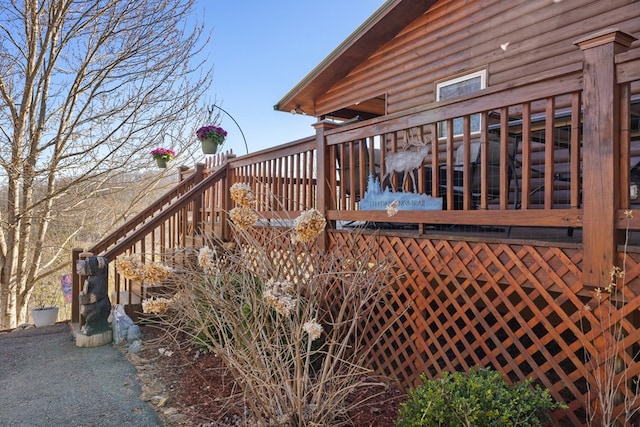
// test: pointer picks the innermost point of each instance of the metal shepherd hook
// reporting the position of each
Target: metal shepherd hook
(212, 108)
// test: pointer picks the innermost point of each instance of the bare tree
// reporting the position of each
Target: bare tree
(87, 89)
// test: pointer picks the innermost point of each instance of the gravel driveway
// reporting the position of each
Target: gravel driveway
(45, 380)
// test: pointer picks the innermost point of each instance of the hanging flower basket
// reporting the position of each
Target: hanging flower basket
(211, 138)
(162, 156)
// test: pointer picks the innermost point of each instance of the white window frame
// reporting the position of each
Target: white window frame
(476, 123)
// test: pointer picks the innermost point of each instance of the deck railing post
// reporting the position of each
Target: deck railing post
(197, 208)
(226, 202)
(75, 285)
(601, 153)
(323, 198)
(183, 172)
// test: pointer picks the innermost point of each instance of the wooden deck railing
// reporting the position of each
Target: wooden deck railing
(283, 178)
(515, 177)
(529, 170)
(516, 180)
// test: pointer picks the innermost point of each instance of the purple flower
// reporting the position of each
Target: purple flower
(211, 132)
(163, 153)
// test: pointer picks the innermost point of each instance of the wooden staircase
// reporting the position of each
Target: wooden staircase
(181, 218)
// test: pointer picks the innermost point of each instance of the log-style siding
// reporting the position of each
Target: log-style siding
(455, 37)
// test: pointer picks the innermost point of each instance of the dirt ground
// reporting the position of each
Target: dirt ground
(189, 387)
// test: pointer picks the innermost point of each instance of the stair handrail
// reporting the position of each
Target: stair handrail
(156, 220)
(120, 247)
(148, 212)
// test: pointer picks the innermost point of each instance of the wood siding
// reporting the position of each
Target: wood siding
(456, 37)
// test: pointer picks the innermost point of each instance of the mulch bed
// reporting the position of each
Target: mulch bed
(201, 392)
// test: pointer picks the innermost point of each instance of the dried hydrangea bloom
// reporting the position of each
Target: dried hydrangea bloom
(130, 268)
(242, 194)
(392, 208)
(598, 294)
(206, 258)
(313, 329)
(155, 272)
(125, 265)
(280, 296)
(155, 305)
(308, 226)
(243, 217)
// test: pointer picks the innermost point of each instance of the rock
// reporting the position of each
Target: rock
(25, 326)
(138, 361)
(170, 411)
(162, 401)
(135, 347)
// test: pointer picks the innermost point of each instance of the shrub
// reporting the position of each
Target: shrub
(285, 317)
(478, 398)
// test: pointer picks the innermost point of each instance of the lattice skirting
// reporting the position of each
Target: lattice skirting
(520, 309)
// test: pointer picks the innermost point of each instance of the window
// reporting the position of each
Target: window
(460, 86)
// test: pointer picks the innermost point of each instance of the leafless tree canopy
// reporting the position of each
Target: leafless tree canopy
(87, 89)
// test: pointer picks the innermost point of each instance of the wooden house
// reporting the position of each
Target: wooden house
(530, 110)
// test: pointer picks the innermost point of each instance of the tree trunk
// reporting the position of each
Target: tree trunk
(87, 89)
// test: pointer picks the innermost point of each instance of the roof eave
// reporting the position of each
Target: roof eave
(378, 29)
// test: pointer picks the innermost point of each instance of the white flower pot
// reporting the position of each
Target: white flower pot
(44, 316)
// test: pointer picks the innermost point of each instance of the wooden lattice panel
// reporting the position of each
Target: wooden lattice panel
(518, 308)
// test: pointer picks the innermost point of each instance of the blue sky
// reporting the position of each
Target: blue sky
(262, 49)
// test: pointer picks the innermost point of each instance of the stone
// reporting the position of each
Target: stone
(135, 347)
(24, 326)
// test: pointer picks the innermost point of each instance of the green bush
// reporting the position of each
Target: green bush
(478, 398)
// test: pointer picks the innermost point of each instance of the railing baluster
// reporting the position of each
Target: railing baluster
(466, 163)
(575, 166)
(450, 162)
(504, 158)
(484, 161)
(525, 197)
(549, 141)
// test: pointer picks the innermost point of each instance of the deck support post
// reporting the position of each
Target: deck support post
(227, 203)
(601, 153)
(197, 205)
(75, 285)
(323, 198)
